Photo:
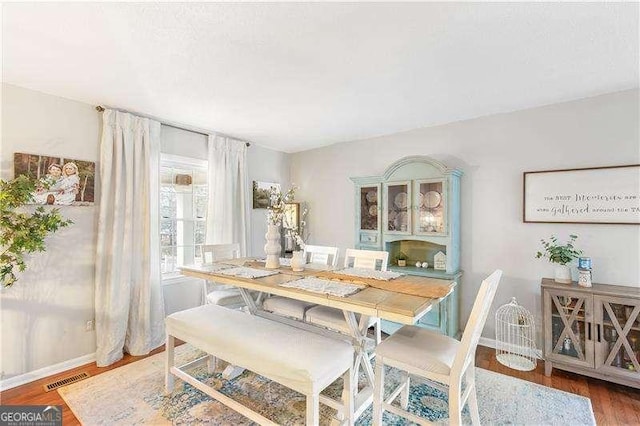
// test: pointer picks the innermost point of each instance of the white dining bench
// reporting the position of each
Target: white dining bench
(298, 359)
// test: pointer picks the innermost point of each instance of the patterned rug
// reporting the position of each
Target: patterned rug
(133, 394)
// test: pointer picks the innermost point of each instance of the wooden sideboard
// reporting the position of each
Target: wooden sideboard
(593, 331)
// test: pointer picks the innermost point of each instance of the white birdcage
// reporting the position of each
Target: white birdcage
(515, 337)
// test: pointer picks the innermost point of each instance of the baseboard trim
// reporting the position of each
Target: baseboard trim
(41, 373)
(491, 343)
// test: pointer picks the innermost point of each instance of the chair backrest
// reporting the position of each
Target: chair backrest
(366, 259)
(321, 254)
(475, 324)
(216, 252)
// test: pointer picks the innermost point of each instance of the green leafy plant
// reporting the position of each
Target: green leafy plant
(22, 232)
(402, 256)
(560, 254)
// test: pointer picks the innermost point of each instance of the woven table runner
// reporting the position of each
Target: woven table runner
(319, 285)
(432, 288)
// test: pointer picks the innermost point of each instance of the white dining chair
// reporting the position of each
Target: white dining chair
(285, 306)
(442, 360)
(221, 294)
(322, 255)
(366, 259)
(333, 318)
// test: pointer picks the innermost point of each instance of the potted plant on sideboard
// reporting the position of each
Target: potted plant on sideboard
(561, 255)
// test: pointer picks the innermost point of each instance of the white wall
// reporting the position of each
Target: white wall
(265, 165)
(493, 152)
(43, 315)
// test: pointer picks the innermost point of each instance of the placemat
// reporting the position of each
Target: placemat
(370, 273)
(244, 272)
(215, 267)
(319, 285)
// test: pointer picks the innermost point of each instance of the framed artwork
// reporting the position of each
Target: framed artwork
(599, 195)
(261, 193)
(63, 181)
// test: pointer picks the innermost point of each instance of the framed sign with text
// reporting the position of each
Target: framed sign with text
(603, 195)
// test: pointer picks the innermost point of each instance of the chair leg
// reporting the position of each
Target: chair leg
(211, 364)
(455, 408)
(378, 329)
(473, 399)
(404, 396)
(378, 392)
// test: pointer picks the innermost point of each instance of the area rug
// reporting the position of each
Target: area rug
(133, 394)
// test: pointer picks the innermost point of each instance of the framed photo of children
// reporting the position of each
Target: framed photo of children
(62, 181)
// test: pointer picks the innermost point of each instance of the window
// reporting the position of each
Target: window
(183, 209)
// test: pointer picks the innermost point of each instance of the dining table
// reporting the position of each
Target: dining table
(394, 297)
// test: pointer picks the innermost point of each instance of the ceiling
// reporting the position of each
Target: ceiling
(297, 76)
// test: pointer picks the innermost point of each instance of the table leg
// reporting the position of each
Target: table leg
(364, 398)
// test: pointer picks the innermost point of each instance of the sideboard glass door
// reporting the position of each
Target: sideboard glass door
(570, 337)
(618, 348)
(398, 208)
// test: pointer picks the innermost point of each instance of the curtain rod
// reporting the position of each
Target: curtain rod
(100, 108)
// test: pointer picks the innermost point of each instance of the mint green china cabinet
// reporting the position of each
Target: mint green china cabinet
(414, 208)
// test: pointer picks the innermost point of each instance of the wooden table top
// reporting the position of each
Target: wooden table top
(394, 300)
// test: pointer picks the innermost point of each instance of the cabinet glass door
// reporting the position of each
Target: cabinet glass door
(398, 207)
(618, 348)
(368, 216)
(570, 336)
(430, 204)
(369, 208)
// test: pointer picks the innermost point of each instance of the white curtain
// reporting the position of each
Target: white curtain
(128, 302)
(227, 209)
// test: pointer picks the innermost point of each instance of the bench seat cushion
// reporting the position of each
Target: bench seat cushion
(299, 359)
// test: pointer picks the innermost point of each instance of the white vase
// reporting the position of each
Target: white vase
(563, 274)
(272, 247)
(297, 261)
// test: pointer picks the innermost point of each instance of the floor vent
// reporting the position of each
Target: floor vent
(66, 381)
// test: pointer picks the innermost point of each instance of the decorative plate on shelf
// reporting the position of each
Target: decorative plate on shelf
(401, 200)
(372, 196)
(373, 210)
(431, 199)
(401, 221)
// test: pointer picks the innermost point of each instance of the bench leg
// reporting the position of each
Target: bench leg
(170, 362)
(313, 410)
(348, 394)
(211, 364)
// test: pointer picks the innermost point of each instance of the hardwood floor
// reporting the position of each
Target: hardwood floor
(612, 404)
